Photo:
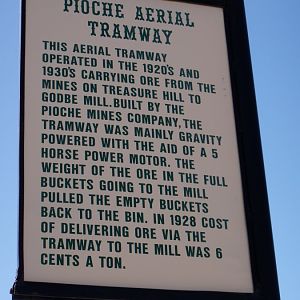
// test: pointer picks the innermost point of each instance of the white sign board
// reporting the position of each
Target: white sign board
(131, 165)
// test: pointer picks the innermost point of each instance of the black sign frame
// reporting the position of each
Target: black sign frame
(253, 180)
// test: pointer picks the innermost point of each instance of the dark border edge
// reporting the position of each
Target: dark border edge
(257, 211)
(20, 274)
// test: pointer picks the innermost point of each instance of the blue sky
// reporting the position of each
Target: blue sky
(274, 34)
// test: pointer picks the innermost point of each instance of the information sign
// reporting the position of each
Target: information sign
(133, 174)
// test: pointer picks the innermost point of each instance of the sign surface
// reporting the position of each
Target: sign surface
(131, 165)
(132, 174)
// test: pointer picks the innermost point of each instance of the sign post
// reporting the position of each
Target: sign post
(141, 165)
